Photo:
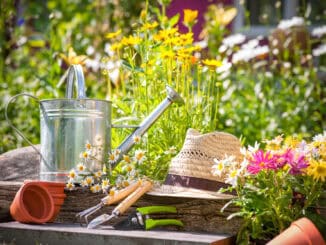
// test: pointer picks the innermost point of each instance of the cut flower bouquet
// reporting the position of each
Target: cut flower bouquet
(275, 184)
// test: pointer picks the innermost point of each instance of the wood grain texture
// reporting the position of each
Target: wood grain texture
(198, 215)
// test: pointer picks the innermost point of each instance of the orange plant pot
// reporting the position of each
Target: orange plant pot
(58, 200)
(56, 190)
(33, 203)
(301, 232)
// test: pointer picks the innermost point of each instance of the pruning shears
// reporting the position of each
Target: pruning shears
(140, 219)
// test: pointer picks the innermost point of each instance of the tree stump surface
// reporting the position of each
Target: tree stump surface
(198, 215)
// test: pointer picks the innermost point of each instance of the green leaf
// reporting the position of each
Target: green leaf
(174, 20)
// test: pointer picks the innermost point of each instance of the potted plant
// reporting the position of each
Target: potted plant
(275, 185)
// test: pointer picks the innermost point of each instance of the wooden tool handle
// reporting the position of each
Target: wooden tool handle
(145, 186)
(122, 193)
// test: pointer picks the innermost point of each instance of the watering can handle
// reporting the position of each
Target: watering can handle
(16, 129)
(75, 74)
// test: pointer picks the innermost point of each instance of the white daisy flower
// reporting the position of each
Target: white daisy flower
(320, 137)
(88, 181)
(287, 24)
(112, 158)
(98, 174)
(96, 188)
(70, 185)
(105, 184)
(139, 156)
(218, 168)
(136, 139)
(232, 177)
(81, 167)
(319, 31)
(72, 174)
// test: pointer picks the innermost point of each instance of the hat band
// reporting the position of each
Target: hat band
(193, 182)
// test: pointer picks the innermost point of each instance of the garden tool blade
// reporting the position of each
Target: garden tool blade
(108, 200)
(86, 213)
(123, 206)
(130, 223)
(100, 220)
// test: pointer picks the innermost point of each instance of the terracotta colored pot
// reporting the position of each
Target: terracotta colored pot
(32, 204)
(58, 200)
(53, 187)
(301, 232)
(56, 190)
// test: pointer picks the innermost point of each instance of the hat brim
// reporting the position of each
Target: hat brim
(178, 191)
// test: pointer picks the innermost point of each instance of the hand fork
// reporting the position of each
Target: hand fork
(108, 200)
(123, 206)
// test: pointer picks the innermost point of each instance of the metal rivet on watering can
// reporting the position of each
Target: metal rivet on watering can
(67, 124)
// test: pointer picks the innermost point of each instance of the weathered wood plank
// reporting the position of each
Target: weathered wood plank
(198, 215)
(73, 234)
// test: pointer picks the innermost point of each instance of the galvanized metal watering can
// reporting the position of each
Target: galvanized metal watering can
(67, 124)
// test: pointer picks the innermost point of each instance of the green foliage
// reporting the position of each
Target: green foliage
(254, 98)
(32, 35)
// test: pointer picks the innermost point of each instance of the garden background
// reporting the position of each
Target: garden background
(253, 87)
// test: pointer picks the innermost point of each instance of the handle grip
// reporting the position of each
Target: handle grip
(145, 186)
(17, 130)
(108, 200)
(151, 223)
(75, 71)
(157, 209)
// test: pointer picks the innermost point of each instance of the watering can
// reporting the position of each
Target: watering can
(68, 124)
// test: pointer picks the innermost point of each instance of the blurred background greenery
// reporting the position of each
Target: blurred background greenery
(283, 93)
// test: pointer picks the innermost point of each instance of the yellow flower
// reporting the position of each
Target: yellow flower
(274, 144)
(167, 54)
(174, 41)
(149, 26)
(130, 41)
(116, 46)
(72, 58)
(187, 38)
(113, 34)
(292, 142)
(225, 16)
(165, 34)
(212, 64)
(189, 18)
(317, 169)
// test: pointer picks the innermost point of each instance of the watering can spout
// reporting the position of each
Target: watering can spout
(127, 144)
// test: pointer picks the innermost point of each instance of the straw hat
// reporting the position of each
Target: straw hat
(190, 173)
